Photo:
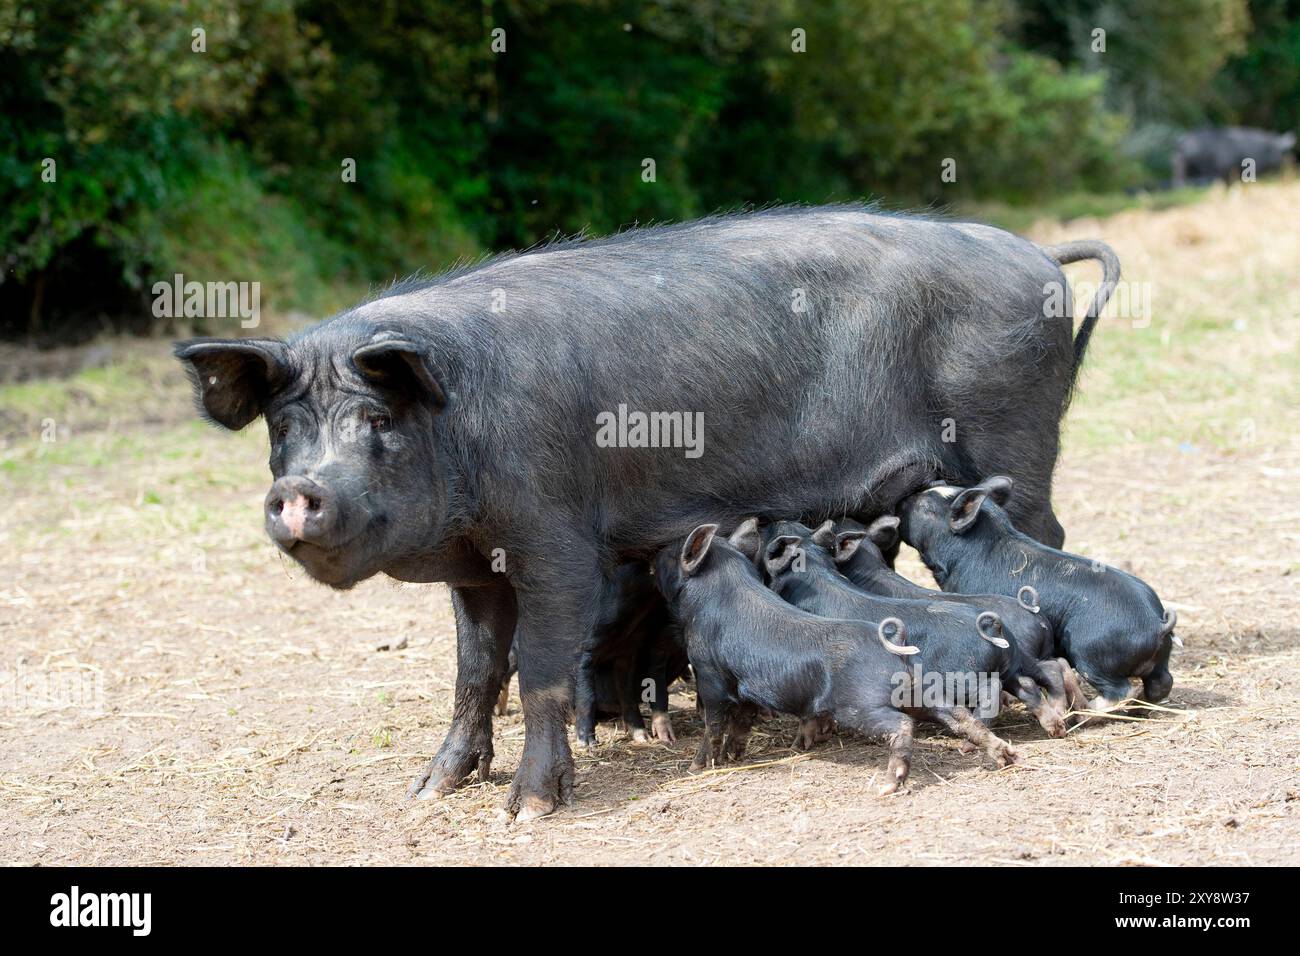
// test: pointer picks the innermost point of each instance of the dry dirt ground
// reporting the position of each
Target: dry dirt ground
(178, 695)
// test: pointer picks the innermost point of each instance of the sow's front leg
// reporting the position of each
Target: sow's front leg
(485, 625)
(557, 618)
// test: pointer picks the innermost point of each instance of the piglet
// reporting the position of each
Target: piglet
(859, 551)
(751, 651)
(964, 656)
(1109, 625)
(633, 657)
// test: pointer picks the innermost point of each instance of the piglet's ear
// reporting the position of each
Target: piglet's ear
(825, 534)
(781, 552)
(999, 489)
(965, 508)
(696, 547)
(398, 365)
(883, 532)
(234, 378)
(847, 544)
(746, 538)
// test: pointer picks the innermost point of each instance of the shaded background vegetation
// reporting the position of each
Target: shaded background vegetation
(225, 164)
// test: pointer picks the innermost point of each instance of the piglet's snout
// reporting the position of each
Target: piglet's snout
(299, 509)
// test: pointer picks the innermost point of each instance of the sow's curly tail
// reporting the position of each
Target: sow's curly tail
(1068, 252)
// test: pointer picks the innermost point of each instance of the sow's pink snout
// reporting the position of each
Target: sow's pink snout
(299, 509)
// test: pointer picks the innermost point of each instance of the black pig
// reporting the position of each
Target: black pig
(456, 429)
(634, 657)
(1109, 625)
(859, 553)
(955, 638)
(751, 652)
(1204, 155)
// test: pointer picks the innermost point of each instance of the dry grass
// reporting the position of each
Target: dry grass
(247, 716)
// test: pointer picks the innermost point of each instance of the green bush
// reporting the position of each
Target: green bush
(226, 163)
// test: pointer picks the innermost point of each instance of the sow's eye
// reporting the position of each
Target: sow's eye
(380, 423)
(281, 431)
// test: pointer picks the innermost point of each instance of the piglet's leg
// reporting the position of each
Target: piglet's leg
(736, 735)
(960, 721)
(812, 732)
(897, 729)
(1074, 695)
(662, 725)
(629, 694)
(710, 751)
(659, 720)
(711, 700)
(584, 701)
(1159, 682)
(900, 756)
(503, 698)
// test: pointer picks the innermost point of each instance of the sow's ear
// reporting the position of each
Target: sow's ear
(696, 547)
(401, 366)
(746, 538)
(234, 378)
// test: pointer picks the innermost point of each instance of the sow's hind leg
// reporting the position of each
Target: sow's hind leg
(1028, 458)
(1006, 411)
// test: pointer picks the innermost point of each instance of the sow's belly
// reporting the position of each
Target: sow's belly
(653, 502)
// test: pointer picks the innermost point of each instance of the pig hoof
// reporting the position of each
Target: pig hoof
(424, 791)
(431, 785)
(533, 807)
(542, 782)
(440, 785)
(640, 737)
(663, 729)
(897, 775)
(1006, 757)
(438, 780)
(503, 702)
(891, 786)
(967, 747)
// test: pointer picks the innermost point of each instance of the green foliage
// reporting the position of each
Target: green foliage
(221, 156)
(1262, 86)
(1160, 56)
